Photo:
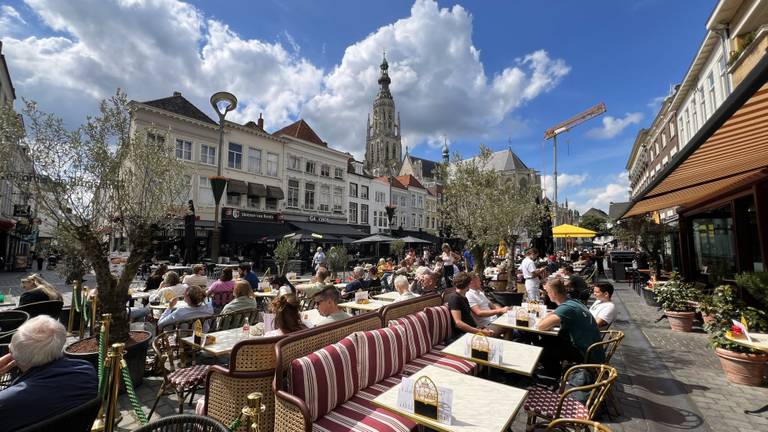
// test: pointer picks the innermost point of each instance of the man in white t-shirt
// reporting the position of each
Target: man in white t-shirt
(531, 273)
(603, 308)
(482, 309)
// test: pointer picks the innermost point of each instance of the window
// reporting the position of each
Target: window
(419, 225)
(338, 191)
(687, 125)
(294, 163)
(420, 202)
(663, 140)
(338, 173)
(309, 196)
(325, 198)
(254, 202)
(254, 160)
(325, 170)
(363, 192)
(271, 203)
(273, 164)
(233, 200)
(413, 200)
(382, 219)
(293, 194)
(724, 84)
(310, 167)
(155, 138)
(353, 212)
(381, 197)
(235, 159)
(205, 192)
(413, 220)
(208, 154)
(712, 92)
(672, 129)
(183, 149)
(403, 200)
(703, 105)
(694, 114)
(364, 214)
(376, 218)
(353, 190)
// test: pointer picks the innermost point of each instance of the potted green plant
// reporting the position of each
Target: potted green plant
(338, 259)
(285, 251)
(741, 365)
(677, 299)
(707, 308)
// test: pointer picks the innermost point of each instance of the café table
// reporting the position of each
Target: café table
(9, 302)
(297, 281)
(390, 296)
(759, 342)
(164, 306)
(372, 305)
(516, 357)
(475, 405)
(262, 294)
(225, 341)
(506, 322)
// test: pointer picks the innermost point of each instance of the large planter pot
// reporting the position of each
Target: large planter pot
(650, 297)
(135, 355)
(680, 321)
(740, 368)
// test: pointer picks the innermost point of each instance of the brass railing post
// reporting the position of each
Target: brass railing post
(252, 413)
(116, 358)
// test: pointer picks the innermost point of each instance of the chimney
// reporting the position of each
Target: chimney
(177, 93)
(261, 122)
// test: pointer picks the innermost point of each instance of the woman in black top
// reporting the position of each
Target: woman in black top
(37, 289)
(154, 281)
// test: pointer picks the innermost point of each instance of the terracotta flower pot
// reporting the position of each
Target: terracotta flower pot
(708, 318)
(740, 368)
(680, 321)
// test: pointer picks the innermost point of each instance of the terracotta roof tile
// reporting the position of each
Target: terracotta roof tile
(409, 180)
(301, 130)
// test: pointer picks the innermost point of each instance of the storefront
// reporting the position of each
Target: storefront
(250, 234)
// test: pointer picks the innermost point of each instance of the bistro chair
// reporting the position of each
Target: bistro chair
(610, 343)
(10, 320)
(78, 419)
(52, 308)
(550, 405)
(306, 303)
(184, 381)
(184, 423)
(237, 319)
(568, 425)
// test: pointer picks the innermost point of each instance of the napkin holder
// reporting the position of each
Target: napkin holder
(481, 347)
(425, 397)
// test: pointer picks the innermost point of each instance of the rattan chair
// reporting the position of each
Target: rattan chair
(51, 308)
(184, 423)
(183, 380)
(610, 343)
(574, 425)
(78, 419)
(306, 303)
(550, 405)
(237, 319)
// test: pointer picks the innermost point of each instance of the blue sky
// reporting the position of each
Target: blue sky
(474, 71)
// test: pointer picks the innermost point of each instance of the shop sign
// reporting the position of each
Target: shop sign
(247, 215)
(21, 210)
(319, 219)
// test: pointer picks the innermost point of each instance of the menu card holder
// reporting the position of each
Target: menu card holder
(198, 338)
(361, 297)
(425, 399)
(481, 348)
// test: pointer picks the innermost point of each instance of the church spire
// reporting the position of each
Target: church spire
(384, 79)
(446, 153)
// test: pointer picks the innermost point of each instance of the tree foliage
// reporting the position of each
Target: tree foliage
(285, 251)
(592, 222)
(103, 180)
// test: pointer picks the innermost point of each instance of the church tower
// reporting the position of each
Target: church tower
(383, 151)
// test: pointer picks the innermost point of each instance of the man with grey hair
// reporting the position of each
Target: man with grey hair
(403, 287)
(359, 283)
(50, 383)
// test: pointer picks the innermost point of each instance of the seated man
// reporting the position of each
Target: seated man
(327, 304)
(317, 285)
(575, 285)
(462, 320)
(603, 308)
(359, 283)
(482, 309)
(578, 330)
(50, 383)
(403, 287)
(244, 270)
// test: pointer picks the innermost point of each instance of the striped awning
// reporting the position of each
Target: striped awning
(730, 150)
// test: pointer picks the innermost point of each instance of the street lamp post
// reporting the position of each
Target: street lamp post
(222, 102)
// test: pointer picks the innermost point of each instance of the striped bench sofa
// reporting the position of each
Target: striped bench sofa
(330, 387)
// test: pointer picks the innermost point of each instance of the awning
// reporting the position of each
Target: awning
(257, 190)
(571, 231)
(328, 228)
(235, 231)
(729, 151)
(235, 187)
(275, 192)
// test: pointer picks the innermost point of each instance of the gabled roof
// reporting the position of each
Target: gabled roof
(409, 181)
(505, 160)
(301, 130)
(596, 212)
(178, 104)
(427, 166)
(395, 182)
(616, 210)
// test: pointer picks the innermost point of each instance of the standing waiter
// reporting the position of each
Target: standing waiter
(531, 274)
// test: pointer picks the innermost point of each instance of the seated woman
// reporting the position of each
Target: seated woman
(37, 289)
(195, 308)
(197, 277)
(225, 285)
(243, 298)
(282, 285)
(170, 288)
(154, 281)
(287, 318)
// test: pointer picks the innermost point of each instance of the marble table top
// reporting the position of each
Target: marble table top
(518, 358)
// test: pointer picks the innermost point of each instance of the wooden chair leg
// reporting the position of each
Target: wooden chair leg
(157, 399)
(180, 395)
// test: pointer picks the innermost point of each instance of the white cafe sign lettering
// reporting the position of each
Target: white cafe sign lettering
(317, 219)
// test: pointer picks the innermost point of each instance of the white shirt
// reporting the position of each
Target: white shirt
(405, 296)
(605, 311)
(447, 259)
(528, 267)
(478, 298)
(176, 290)
(195, 279)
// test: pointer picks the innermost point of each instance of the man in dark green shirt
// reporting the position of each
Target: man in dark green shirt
(578, 330)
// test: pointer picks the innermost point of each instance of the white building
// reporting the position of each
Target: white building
(368, 198)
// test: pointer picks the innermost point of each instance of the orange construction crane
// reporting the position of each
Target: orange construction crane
(563, 127)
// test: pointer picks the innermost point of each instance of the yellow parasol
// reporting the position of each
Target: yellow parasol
(570, 231)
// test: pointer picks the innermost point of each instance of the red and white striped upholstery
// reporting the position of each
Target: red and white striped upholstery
(380, 354)
(326, 378)
(436, 358)
(188, 377)
(417, 335)
(439, 322)
(360, 415)
(544, 402)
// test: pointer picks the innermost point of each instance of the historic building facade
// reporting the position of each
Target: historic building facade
(383, 148)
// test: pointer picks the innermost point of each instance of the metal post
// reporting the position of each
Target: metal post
(554, 175)
(216, 237)
(116, 357)
(254, 410)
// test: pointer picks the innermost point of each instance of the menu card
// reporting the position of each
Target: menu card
(445, 399)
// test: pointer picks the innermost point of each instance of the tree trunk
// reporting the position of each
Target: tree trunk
(477, 255)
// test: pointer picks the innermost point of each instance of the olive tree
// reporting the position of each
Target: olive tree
(100, 181)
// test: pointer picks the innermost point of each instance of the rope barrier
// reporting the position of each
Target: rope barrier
(102, 352)
(132, 393)
(236, 423)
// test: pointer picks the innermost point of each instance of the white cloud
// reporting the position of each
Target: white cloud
(613, 126)
(11, 21)
(438, 80)
(617, 190)
(564, 181)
